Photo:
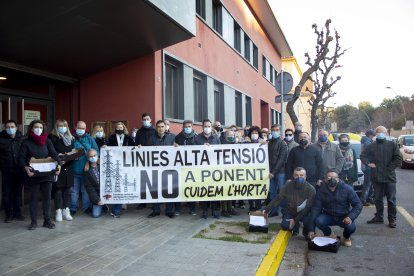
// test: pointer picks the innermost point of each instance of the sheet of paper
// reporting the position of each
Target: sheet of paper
(302, 206)
(322, 241)
(43, 167)
(258, 221)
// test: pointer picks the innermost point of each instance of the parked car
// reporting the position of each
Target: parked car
(406, 145)
(357, 185)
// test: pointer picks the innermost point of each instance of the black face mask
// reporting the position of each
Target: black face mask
(119, 131)
(219, 129)
(303, 142)
(246, 132)
(344, 144)
(332, 183)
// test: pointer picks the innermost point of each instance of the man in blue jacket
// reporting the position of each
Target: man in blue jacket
(87, 142)
(336, 203)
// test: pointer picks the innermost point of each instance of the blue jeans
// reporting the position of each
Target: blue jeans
(96, 211)
(323, 221)
(306, 220)
(77, 188)
(276, 183)
(367, 193)
(116, 209)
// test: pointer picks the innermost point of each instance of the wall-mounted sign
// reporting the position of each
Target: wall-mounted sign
(30, 115)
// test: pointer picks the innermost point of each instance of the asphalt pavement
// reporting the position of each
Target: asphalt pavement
(376, 249)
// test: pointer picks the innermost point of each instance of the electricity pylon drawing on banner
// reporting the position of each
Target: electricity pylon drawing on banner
(108, 170)
(117, 177)
(126, 184)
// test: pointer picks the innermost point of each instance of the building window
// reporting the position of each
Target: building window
(255, 57)
(218, 102)
(201, 8)
(239, 109)
(217, 17)
(248, 111)
(174, 93)
(247, 47)
(237, 37)
(200, 97)
(271, 74)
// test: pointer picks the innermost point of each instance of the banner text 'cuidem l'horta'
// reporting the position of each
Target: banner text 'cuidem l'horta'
(183, 173)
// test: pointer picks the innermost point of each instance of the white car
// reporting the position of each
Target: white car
(406, 145)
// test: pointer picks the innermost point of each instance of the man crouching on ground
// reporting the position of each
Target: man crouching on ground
(299, 196)
(333, 203)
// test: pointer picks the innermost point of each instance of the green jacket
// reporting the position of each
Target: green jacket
(386, 157)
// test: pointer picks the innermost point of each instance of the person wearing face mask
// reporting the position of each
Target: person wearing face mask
(336, 203)
(120, 137)
(63, 142)
(186, 138)
(367, 194)
(349, 173)
(289, 140)
(297, 197)
(38, 146)
(383, 157)
(218, 131)
(306, 157)
(134, 134)
(12, 177)
(160, 139)
(227, 209)
(145, 133)
(92, 185)
(331, 154)
(207, 138)
(86, 142)
(265, 134)
(277, 149)
(298, 131)
(99, 135)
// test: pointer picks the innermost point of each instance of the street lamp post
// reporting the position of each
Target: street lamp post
(402, 104)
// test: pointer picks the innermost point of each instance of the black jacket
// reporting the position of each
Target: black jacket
(308, 158)
(100, 142)
(92, 186)
(386, 157)
(112, 141)
(166, 140)
(201, 140)
(66, 175)
(277, 156)
(9, 151)
(30, 149)
(183, 139)
(143, 135)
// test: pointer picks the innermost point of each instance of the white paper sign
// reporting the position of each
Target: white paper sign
(43, 167)
(322, 241)
(258, 221)
(30, 115)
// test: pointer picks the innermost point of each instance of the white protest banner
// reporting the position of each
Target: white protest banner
(183, 173)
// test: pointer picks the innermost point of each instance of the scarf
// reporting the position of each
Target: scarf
(66, 139)
(349, 157)
(189, 136)
(40, 140)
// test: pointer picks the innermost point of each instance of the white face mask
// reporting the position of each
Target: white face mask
(133, 134)
(38, 131)
(99, 134)
(289, 138)
(255, 137)
(207, 130)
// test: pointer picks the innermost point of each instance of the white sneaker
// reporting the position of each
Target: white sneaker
(66, 214)
(58, 215)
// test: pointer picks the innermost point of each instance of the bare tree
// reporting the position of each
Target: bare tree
(321, 67)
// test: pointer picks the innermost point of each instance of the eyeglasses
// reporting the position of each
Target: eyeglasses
(288, 134)
(332, 177)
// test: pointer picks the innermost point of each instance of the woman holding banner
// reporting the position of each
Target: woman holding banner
(92, 185)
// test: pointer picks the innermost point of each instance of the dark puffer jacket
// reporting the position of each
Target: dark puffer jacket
(65, 179)
(386, 157)
(92, 186)
(9, 151)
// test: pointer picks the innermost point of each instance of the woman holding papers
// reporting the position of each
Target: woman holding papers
(36, 147)
(63, 141)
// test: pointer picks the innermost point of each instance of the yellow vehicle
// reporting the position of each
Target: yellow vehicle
(352, 136)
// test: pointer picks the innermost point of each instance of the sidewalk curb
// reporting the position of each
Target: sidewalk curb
(271, 262)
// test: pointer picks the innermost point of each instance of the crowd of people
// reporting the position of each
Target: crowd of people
(310, 182)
